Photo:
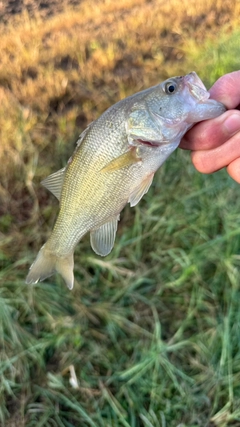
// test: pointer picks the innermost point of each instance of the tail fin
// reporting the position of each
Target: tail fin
(47, 263)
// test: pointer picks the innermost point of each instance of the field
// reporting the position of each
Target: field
(149, 336)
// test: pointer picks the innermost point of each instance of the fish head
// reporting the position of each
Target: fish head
(178, 103)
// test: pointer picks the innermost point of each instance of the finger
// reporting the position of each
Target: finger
(234, 170)
(208, 161)
(212, 133)
(227, 90)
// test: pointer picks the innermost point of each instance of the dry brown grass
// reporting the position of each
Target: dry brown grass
(58, 75)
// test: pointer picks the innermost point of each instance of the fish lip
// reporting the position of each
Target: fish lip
(198, 90)
(221, 107)
(196, 87)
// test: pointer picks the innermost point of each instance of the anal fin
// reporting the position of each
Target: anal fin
(140, 190)
(102, 239)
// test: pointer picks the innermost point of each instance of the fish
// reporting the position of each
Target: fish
(113, 164)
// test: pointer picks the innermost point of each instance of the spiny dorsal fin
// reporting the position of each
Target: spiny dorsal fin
(126, 159)
(141, 189)
(102, 239)
(83, 134)
(54, 182)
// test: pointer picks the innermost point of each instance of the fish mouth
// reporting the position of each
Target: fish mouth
(148, 143)
(205, 108)
(196, 87)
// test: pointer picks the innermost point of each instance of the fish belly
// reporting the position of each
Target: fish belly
(97, 198)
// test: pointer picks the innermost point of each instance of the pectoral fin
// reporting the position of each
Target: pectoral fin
(54, 183)
(142, 189)
(126, 159)
(102, 239)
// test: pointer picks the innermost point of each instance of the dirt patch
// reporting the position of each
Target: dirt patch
(45, 8)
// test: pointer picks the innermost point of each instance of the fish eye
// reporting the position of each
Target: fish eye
(170, 88)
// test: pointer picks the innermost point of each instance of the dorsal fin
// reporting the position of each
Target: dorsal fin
(83, 134)
(54, 182)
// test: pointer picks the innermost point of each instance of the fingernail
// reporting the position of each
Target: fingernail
(232, 124)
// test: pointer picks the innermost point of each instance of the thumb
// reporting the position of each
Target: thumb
(227, 90)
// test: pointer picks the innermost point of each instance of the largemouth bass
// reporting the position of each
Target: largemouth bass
(114, 163)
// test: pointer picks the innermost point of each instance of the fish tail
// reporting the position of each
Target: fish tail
(47, 263)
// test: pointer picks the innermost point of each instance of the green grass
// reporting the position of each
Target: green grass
(149, 336)
(152, 331)
(215, 58)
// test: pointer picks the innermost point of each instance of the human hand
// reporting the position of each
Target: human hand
(215, 143)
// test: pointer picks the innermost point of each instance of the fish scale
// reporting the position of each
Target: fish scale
(114, 163)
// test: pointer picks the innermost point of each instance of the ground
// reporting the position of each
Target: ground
(45, 8)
